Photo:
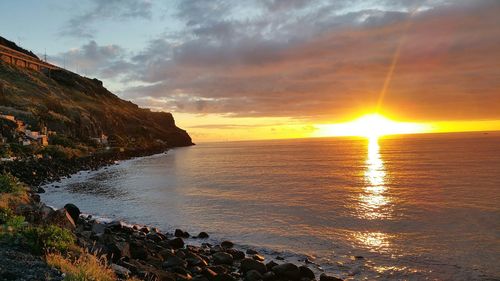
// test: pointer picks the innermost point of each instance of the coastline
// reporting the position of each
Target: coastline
(145, 251)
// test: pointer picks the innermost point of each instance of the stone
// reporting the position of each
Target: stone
(73, 211)
(62, 219)
(306, 272)
(98, 228)
(181, 233)
(269, 276)
(227, 244)
(248, 264)
(195, 260)
(176, 243)
(253, 275)
(175, 261)
(251, 252)
(271, 264)
(287, 271)
(222, 258)
(120, 271)
(138, 251)
(324, 277)
(224, 277)
(258, 257)
(208, 273)
(203, 235)
(237, 254)
(119, 250)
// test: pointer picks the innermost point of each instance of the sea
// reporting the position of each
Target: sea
(411, 207)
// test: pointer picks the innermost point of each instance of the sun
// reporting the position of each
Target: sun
(371, 126)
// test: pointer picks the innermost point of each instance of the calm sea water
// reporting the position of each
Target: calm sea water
(414, 207)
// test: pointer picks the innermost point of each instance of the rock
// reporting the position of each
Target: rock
(237, 255)
(98, 228)
(287, 271)
(269, 276)
(258, 257)
(306, 272)
(144, 230)
(119, 250)
(224, 277)
(46, 212)
(208, 273)
(176, 243)
(271, 264)
(253, 275)
(40, 190)
(138, 251)
(223, 258)
(62, 219)
(203, 235)
(280, 258)
(248, 264)
(195, 260)
(181, 233)
(251, 252)
(175, 261)
(324, 277)
(227, 244)
(73, 211)
(121, 271)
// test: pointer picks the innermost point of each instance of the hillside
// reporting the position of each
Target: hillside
(81, 108)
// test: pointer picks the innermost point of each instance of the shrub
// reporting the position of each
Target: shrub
(48, 238)
(9, 184)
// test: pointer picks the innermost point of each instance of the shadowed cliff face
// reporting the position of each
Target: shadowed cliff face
(81, 107)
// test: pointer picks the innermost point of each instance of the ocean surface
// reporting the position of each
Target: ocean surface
(422, 207)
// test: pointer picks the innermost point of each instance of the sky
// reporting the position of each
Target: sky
(267, 69)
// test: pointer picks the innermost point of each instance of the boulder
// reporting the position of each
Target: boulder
(253, 275)
(175, 261)
(120, 271)
(227, 244)
(73, 211)
(324, 277)
(224, 277)
(203, 235)
(251, 252)
(181, 233)
(258, 257)
(62, 219)
(176, 243)
(138, 251)
(306, 272)
(248, 264)
(40, 190)
(223, 258)
(287, 271)
(119, 250)
(237, 255)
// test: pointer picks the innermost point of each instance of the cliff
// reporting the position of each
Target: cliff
(80, 107)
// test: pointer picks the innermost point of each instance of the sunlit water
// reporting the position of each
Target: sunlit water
(414, 207)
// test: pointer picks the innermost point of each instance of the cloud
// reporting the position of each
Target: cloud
(317, 60)
(82, 25)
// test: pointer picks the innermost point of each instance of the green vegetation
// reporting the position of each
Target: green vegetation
(10, 184)
(48, 238)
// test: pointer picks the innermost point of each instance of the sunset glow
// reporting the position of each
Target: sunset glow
(371, 126)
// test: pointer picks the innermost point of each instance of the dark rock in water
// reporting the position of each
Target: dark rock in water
(280, 258)
(248, 264)
(40, 190)
(306, 272)
(359, 257)
(174, 261)
(176, 243)
(203, 235)
(287, 270)
(253, 275)
(138, 251)
(73, 211)
(324, 277)
(227, 244)
(251, 252)
(223, 258)
(237, 254)
(181, 233)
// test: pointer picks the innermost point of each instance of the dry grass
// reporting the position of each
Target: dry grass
(85, 267)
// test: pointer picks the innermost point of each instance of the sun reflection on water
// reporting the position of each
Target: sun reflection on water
(373, 200)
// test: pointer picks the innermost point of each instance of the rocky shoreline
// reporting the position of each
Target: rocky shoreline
(146, 252)
(149, 254)
(35, 172)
